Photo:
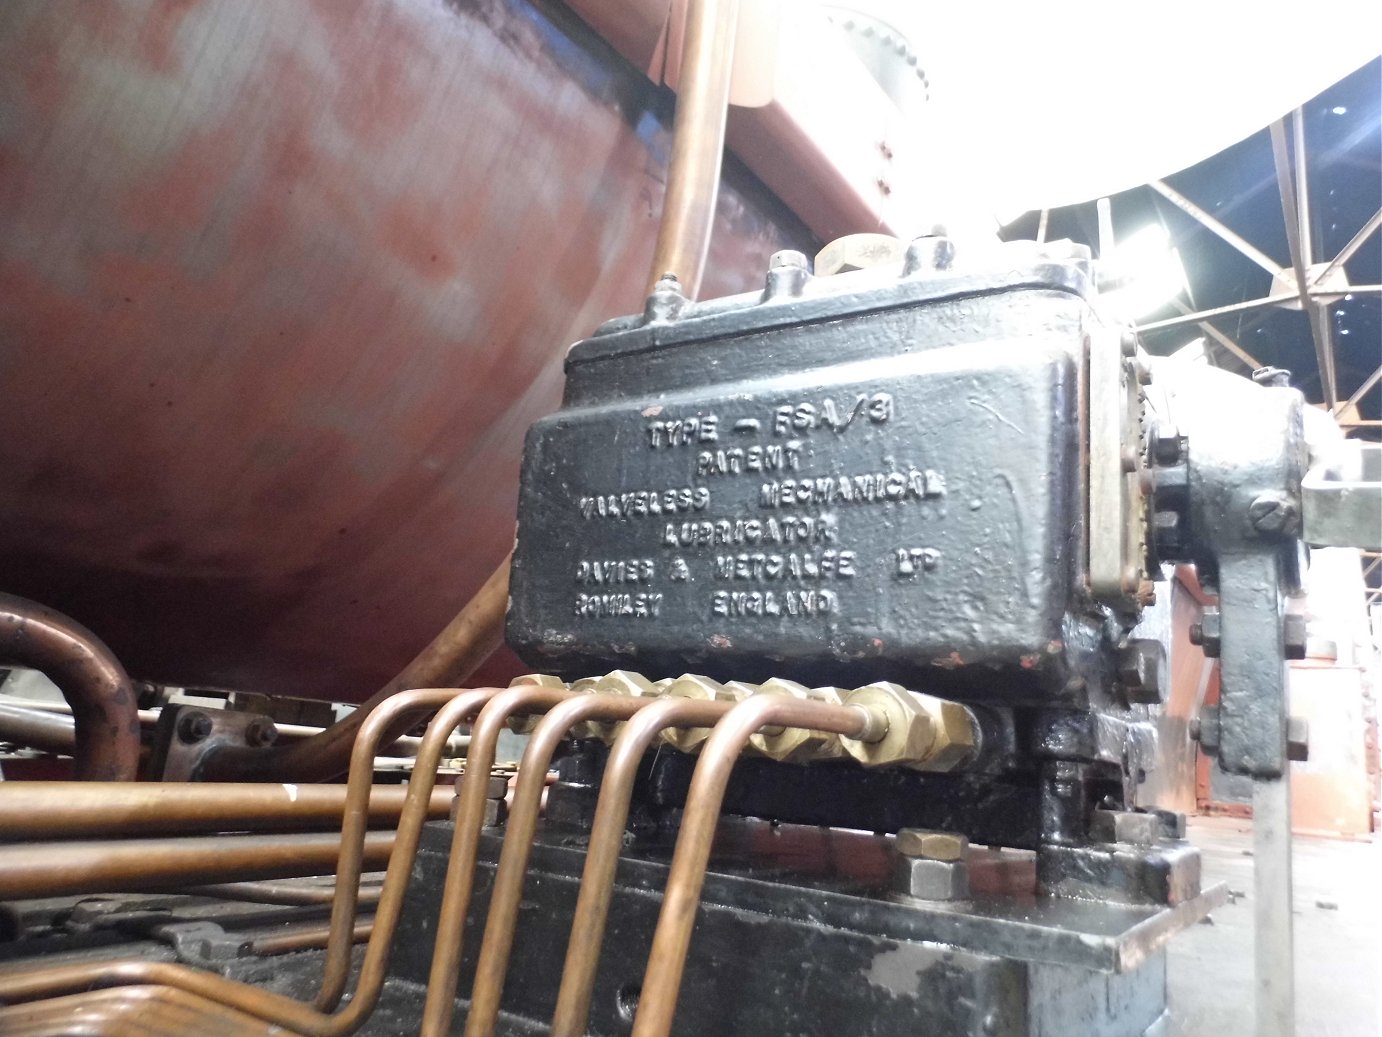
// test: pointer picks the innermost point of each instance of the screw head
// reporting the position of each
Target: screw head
(1274, 512)
(260, 732)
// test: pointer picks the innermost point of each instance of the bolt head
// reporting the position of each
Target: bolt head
(194, 726)
(922, 879)
(1142, 671)
(260, 732)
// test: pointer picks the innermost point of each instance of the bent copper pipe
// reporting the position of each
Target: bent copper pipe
(602, 852)
(135, 865)
(460, 870)
(453, 655)
(285, 1011)
(62, 810)
(147, 1011)
(91, 679)
(672, 938)
(507, 892)
(698, 143)
(359, 794)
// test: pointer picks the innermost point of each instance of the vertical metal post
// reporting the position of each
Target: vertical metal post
(1274, 965)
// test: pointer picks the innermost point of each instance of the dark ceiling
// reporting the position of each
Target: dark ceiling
(1238, 186)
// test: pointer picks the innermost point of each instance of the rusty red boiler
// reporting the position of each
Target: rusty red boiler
(281, 287)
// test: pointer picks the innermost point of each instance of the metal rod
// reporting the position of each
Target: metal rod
(1104, 211)
(1210, 223)
(1274, 967)
(286, 893)
(1219, 337)
(1043, 221)
(602, 851)
(507, 891)
(667, 961)
(1319, 324)
(305, 939)
(1307, 247)
(466, 642)
(135, 865)
(1218, 311)
(698, 143)
(90, 678)
(1346, 253)
(460, 872)
(71, 810)
(1361, 391)
(37, 729)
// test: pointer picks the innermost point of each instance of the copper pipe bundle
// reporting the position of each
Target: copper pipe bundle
(218, 993)
(602, 852)
(137, 1011)
(104, 708)
(62, 810)
(671, 940)
(511, 871)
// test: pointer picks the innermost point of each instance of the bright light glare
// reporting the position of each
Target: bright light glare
(1339, 110)
(1147, 273)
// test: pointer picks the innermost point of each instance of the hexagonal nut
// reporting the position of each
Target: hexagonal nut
(778, 743)
(1125, 826)
(524, 725)
(859, 252)
(923, 732)
(824, 746)
(693, 686)
(1142, 671)
(932, 846)
(618, 682)
(922, 879)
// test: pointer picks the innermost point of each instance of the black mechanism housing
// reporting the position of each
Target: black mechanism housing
(870, 477)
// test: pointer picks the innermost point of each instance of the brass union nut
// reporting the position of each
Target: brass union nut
(618, 682)
(924, 732)
(693, 686)
(778, 742)
(523, 725)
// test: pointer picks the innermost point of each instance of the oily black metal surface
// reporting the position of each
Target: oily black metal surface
(1236, 496)
(880, 479)
(797, 935)
(992, 810)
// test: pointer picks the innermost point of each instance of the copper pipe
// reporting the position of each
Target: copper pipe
(66, 810)
(90, 678)
(146, 1011)
(285, 893)
(453, 655)
(359, 787)
(460, 871)
(37, 729)
(285, 1011)
(667, 961)
(602, 851)
(305, 939)
(136, 865)
(507, 891)
(698, 143)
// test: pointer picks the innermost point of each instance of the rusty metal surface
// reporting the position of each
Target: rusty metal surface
(284, 284)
